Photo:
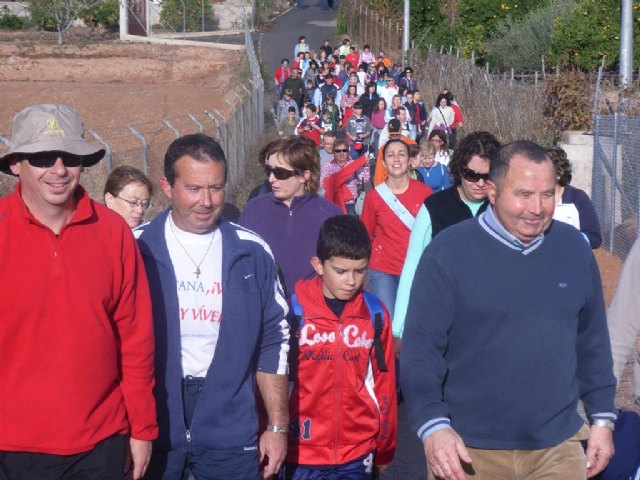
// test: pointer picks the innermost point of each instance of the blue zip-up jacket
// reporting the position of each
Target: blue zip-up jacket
(254, 336)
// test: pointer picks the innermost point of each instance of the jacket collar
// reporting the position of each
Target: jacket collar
(153, 243)
(85, 210)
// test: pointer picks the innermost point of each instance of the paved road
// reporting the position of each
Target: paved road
(317, 22)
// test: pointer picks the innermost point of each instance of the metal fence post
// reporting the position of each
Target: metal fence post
(218, 130)
(193, 119)
(145, 156)
(171, 127)
(107, 151)
(223, 141)
(614, 158)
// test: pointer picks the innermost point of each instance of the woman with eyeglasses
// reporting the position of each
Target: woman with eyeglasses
(389, 213)
(128, 192)
(289, 217)
(438, 138)
(465, 199)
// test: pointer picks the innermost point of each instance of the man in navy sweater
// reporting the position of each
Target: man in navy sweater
(505, 332)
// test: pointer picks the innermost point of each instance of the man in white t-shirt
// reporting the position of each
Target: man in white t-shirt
(220, 328)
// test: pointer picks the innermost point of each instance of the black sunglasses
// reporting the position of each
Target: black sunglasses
(279, 172)
(473, 176)
(340, 150)
(49, 159)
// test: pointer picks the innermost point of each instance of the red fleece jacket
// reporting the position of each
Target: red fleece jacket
(76, 333)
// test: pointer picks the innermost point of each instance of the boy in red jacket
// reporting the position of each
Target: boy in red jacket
(343, 405)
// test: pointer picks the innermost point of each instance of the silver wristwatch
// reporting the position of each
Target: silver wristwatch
(277, 429)
(603, 422)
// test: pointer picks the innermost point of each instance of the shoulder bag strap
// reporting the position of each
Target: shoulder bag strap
(395, 205)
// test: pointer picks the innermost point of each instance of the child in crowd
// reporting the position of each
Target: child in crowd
(414, 163)
(329, 124)
(287, 126)
(433, 173)
(333, 109)
(343, 403)
(311, 126)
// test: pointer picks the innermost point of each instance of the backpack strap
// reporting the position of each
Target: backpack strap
(376, 313)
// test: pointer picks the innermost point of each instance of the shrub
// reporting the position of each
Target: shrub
(105, 13)
(172, 15)
(568, 101)
(11, 21)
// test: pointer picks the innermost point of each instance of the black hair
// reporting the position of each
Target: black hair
(198, 146)
(501, 159)
(440, 97)
(291, 109)
(343, 236)
(482, 144)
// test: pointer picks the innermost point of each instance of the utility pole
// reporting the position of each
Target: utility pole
(626, 43)
(405, 35)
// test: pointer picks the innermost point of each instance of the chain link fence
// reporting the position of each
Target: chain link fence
(616, 180)
(235, 124)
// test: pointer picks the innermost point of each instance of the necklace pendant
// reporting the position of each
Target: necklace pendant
(197, 272)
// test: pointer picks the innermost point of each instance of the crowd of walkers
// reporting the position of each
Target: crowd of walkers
(379, 247)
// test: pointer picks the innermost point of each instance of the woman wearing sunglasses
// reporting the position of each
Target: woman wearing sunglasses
(388, 213)
(465, 199)
(128, 192)
(290, 216)
(343, 179)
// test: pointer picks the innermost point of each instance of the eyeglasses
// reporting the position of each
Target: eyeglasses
(340, 150)
(279, 172)
(144, 204)
(473, 176)
(49, 159)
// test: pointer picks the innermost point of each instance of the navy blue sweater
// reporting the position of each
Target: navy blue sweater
(502, 343)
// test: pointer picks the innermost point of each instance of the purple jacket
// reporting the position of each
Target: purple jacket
(292, 233)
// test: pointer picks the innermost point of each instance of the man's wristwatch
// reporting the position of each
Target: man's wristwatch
(603, 422)
(277, 429)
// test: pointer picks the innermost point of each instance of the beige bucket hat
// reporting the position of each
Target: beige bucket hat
(52, 127)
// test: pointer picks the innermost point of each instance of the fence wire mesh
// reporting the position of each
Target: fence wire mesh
(616, 180)
(143, 143)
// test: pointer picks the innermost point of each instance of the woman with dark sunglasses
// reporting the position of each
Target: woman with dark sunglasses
(289, 217)
(343, 178)
(465, 199)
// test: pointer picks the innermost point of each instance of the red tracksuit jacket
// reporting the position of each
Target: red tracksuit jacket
(342, 406)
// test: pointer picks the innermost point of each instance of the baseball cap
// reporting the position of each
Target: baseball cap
(394, 125)
(52, 127)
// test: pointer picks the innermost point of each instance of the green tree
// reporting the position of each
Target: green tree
(429, 24)
(592, 30)
(105, 13)
(520, 44)
(59, 14)
(173, 15)
(487, 13)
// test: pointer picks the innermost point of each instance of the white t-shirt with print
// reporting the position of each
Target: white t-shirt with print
(199, 297)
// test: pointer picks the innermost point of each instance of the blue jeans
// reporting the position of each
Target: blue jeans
(385, 286)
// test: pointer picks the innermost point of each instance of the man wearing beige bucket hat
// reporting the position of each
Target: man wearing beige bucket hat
(76, 333)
